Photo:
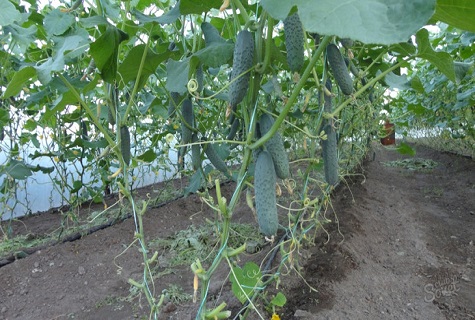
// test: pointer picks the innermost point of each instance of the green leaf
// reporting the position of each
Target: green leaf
(77, 185)
(167, 18)
(404, 148)
(23, 36)
(57, 22)
(93, 21)
(17, 170)
(73, 45)
(369, 21)
(218, 51)
(111, 8)
(457, 13)
(397, 82)
(198, 6)
(56, 63)
(215, 54)
(44, 70)
(279, 300)
(4, 117)
(244, 280)
(403, 48)
(417, 109)
(441, 60)
(130, 66)
(211, 34)
(105, 51)
(177, 75)
(42, 169)
(196, 181)
(148, 156)
(18, 81)
(8, 13)
(461, 69)
(417, 85)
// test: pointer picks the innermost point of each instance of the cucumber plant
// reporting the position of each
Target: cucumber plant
(208, 79)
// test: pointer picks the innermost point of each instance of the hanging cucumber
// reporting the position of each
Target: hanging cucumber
(275, 146)
(242, 61)
(339, 69)
(195, 153)
(234, 129)
(264, 189)
(294, 42)
(188, 120)
(125, 143)
(173, 103)
(215, 159)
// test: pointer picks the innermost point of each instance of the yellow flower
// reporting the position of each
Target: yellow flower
(275, 316)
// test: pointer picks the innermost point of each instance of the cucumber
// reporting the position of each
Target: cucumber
(173, 103)
(195, 153)
(242, 61)
(188, 120)
(275, 146)
(181, 158)
(111, 115)
(353, 69)
(339, 69)
(234, 129)
(347, 43)
(125, 143)
(84, 135)
(329, 146)
(294, 42)
(264, 189)
(215, 159)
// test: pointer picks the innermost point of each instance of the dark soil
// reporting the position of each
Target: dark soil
(403, 248)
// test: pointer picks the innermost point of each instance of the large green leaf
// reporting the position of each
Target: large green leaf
(57, 22)
(4, 117)
(457, 13)
(147, 156)
(244, 280)
(177, 75)
(218, 50)
(8, 13)
(56, 63)
(441, 60)
(167, 18)
(417, 85)
(211, 34)
(93, 21)
(198, 6)
(105, 51)
(369, 21)
(22, 36)
(397, 82)
(130, 66)
(215, 55)
(18, 81)
(461, 69)
(17, 170)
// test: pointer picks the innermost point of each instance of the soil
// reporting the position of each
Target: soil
(400, 246)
